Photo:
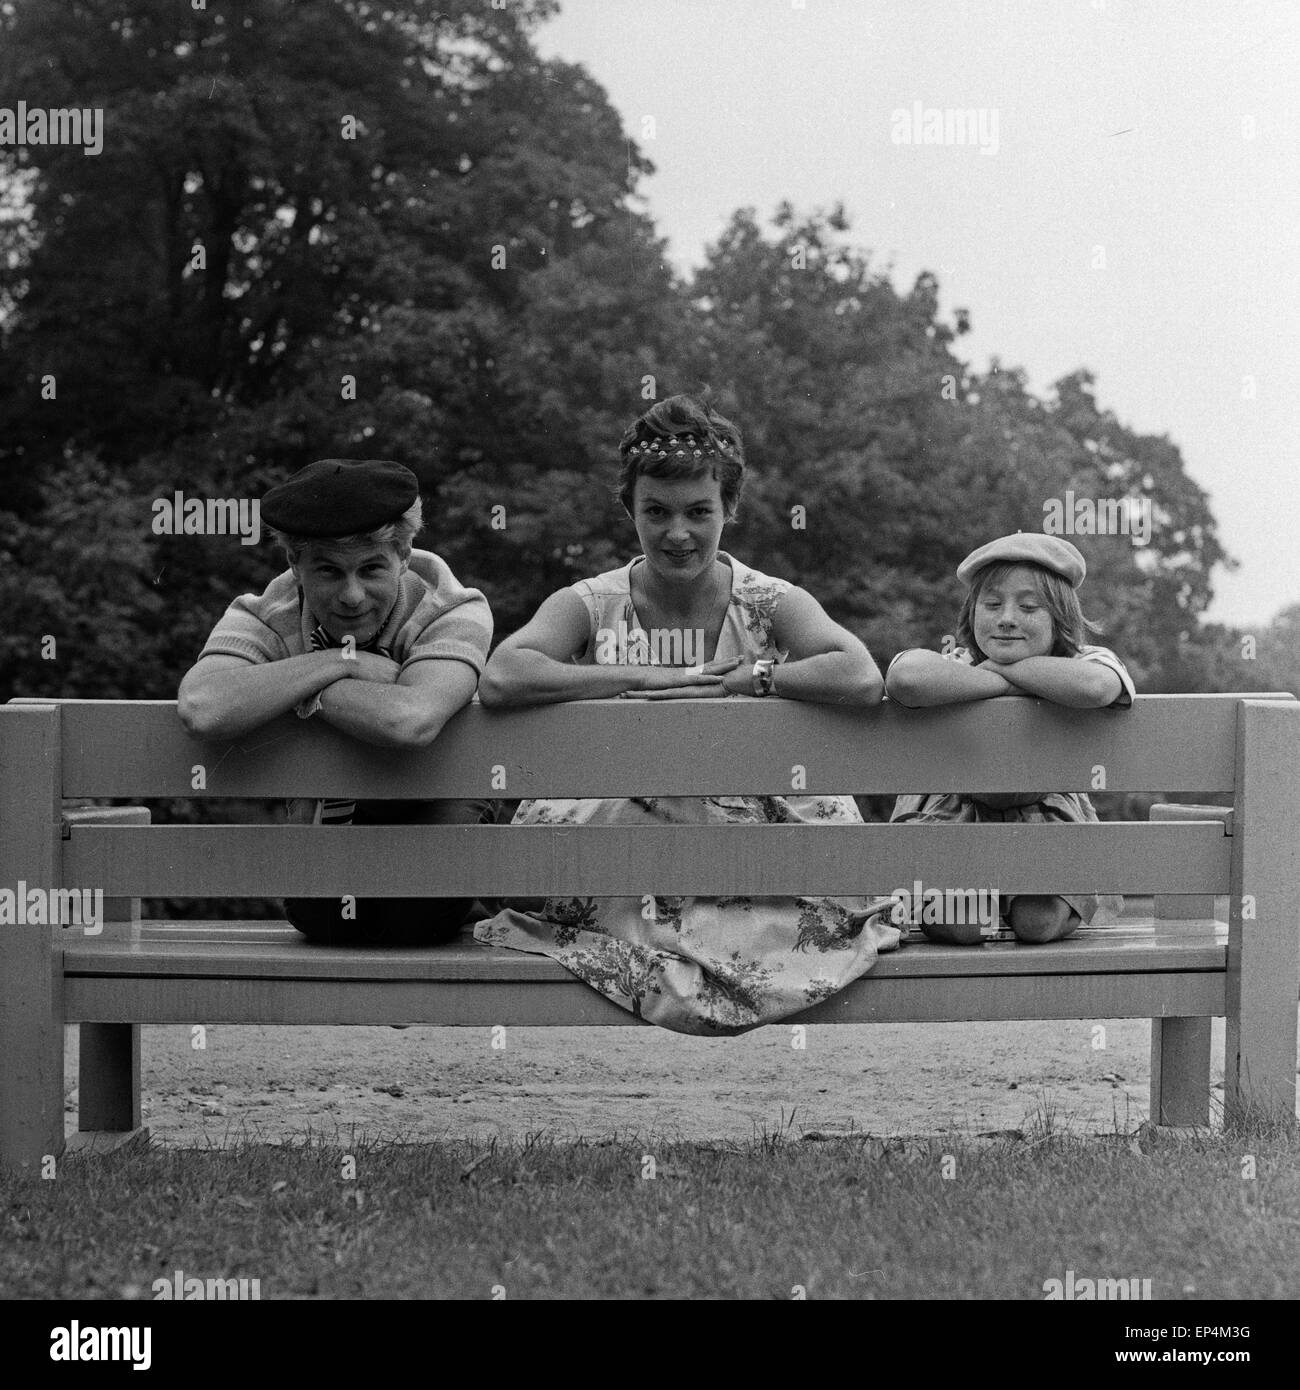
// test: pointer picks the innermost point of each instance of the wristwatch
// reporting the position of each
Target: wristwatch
(763, 669)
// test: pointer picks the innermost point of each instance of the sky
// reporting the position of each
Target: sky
(1129, 204)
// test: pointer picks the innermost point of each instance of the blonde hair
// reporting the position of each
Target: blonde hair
(1070, 629)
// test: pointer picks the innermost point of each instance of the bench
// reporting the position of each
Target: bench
(1179, 968)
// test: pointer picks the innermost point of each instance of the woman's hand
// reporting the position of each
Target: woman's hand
(712, 681)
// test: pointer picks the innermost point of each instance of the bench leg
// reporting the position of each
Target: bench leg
(1180, 1071)
(31, 969)
(1259, 1071)
(31, 1068)
(109, 1083)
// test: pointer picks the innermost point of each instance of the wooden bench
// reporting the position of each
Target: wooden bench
(1179, 973)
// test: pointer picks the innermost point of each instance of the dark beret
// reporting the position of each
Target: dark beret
(340, 497)
(1032, 547)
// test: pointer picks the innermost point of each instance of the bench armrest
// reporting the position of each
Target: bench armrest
(1176, 907)
(121, 915)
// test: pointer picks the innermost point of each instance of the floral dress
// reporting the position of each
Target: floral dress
(945, 808)
(711, 966)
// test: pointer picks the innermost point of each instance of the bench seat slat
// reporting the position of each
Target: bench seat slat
(570, 1003)
(606, 861)
(265, 951)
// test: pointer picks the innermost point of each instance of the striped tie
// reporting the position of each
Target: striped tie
(337, 812)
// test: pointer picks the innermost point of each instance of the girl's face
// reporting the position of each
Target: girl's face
(679, 524)
(1010, 620)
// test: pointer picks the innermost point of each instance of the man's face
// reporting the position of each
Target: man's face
(350, 587)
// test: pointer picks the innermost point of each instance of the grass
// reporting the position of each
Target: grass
(846, 1217)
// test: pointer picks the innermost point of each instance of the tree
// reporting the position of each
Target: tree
(80, 578)
(837, 382)
(856, 410)
(321, 230)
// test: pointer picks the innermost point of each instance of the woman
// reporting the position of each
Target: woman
(685, 619)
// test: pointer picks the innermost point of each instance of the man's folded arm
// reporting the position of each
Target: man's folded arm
(408, 713)
(224, 696)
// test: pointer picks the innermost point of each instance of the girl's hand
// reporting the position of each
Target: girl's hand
(1065, 681)
(999, 669)
(1006, 801)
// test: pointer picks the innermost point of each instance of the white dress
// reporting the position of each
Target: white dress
(712, 966)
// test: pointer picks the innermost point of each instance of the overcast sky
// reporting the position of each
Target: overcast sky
(1167, 134)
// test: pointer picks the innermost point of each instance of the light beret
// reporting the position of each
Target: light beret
(1028, 547)
(340, 497)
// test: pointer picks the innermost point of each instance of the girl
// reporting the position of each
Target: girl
(685, 619)
(1021, 632)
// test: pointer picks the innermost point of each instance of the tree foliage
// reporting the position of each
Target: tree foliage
(295, 196)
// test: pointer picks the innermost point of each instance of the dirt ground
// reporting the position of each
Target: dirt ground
(274, 1083)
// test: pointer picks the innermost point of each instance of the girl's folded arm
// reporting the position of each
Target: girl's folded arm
(1065, 680)
(921, 677)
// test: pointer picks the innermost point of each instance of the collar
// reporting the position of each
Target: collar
(316, 638)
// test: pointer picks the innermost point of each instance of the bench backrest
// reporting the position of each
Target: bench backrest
(1244, 750)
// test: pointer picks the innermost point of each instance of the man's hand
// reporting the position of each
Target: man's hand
(407, 713)
(370, 666)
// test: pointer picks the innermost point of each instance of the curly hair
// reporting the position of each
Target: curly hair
(679, 415)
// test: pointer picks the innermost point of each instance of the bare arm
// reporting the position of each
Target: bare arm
(825, 662)
(920, 677)
(408, 712)
(535, 666)
(1065, 681)
(226, 696)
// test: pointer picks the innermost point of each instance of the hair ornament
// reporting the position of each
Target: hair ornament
(661, 447)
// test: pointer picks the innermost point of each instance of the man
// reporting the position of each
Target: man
(376, 638)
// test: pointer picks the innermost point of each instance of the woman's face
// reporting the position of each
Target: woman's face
(679, 524)
(1010, 621)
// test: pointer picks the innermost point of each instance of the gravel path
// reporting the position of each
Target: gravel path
(274, 1083)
